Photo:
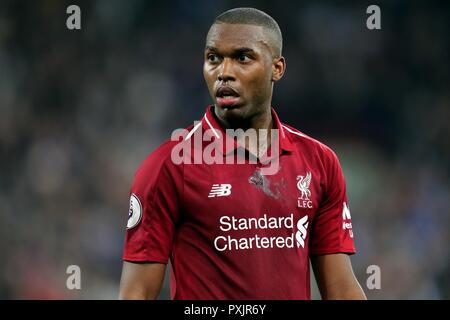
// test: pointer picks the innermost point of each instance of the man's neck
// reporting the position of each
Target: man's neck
(262, 123)
(260, 120)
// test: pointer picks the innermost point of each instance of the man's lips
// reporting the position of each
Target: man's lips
(226, 96)
(227, 101)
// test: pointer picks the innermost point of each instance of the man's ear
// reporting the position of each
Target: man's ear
(278, 68)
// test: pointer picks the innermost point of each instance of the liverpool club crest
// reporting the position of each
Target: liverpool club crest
(304, 201)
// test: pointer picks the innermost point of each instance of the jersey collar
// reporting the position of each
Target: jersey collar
(210, 124)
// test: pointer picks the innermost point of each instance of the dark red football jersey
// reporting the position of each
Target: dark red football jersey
(231, 232)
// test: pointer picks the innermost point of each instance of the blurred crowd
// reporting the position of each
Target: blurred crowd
(80, 110)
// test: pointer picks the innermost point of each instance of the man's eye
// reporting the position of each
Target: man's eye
(212, 58)
(243, 58)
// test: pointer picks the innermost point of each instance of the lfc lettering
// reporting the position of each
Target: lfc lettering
(305, 204)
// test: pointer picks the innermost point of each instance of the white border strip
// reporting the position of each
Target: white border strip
(292, 131)
(282, 131)
(209, 124)
(192, 131)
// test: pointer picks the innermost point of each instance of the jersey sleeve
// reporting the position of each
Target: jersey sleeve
(332, 226)
(154, 210)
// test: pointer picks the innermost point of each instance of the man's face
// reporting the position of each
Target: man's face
(238, 69)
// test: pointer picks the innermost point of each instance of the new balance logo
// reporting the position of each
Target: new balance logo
(220, 190)
(302, 230)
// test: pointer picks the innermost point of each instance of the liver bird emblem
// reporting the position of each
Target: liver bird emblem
(303, 185)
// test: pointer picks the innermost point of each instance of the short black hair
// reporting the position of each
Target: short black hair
(255, 17)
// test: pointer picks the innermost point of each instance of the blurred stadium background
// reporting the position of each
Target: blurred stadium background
(79, 111)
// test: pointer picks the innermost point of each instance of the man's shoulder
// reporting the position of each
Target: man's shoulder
(161, 156)
(305, 143)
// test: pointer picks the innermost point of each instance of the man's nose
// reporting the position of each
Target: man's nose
(226, 72)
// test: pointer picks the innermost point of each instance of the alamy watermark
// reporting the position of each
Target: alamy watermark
(73, 21)
(213, 147)
(73, 281)
(374, 280)
(373, 22)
